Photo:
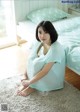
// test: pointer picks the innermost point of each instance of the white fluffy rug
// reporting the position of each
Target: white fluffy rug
(64, 100)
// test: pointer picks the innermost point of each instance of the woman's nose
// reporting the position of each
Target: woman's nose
(42, 36)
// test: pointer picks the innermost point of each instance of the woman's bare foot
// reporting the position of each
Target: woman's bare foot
(21, 88)
(26, 91)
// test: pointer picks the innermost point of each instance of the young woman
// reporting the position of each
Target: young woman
(46, 64)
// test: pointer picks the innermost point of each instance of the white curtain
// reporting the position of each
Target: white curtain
(8, 20)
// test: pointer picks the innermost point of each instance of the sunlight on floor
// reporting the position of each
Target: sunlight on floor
(13, 61)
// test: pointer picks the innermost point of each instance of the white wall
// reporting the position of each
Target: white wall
(23, 7)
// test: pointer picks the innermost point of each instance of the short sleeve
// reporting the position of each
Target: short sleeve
(53, 57)
(55, 54)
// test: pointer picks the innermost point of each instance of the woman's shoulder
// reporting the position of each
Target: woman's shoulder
(57, 48)
(56, 45)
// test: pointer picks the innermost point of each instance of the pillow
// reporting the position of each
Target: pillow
(50, 14)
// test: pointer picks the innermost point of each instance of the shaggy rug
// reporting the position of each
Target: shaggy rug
(64, 100)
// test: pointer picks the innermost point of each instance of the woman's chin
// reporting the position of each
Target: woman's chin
(43, 41)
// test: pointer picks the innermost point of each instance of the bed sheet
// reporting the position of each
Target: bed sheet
(73, 59)
(69, 37)
(72, 50)
(67, 25)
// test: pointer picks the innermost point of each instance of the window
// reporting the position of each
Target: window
(7, 22)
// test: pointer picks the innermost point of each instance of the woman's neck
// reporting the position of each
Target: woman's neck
(46, 46)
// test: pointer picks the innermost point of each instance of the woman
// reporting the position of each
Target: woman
(46, 64)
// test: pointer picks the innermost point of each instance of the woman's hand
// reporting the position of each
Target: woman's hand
(25, 83)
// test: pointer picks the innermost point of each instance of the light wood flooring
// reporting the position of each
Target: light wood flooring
(72, 78)
(13, 62)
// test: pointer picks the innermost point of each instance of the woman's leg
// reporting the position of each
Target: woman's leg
(25, 76)
(21, 87)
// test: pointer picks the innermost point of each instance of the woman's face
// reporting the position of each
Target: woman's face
(44, 36)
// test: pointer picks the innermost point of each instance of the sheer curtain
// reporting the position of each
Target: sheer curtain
(7, 22)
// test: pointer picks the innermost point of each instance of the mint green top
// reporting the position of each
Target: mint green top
(54, 79)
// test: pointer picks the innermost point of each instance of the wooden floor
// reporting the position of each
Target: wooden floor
(72, 78)
(13, 62)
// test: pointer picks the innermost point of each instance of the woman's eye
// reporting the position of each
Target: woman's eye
(46, 32)
(39, 32)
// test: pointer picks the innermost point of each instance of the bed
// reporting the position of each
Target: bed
(68, 29)
(69, 37)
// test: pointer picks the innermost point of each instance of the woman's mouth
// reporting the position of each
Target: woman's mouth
(43, 39)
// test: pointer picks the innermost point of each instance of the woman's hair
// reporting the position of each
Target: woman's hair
(48, 27)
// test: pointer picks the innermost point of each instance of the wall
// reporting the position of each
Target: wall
(23, 7)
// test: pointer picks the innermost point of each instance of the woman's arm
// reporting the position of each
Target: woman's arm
(42, 73)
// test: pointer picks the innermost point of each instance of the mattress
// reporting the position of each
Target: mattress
(26, 30)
